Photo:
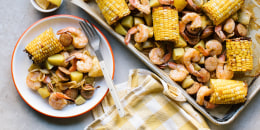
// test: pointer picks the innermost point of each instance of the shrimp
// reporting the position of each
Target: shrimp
(157, 56)
(213, 47)
(204, 75)
(220, 33)
(203, 91)
(166, 2)
(84, 64)
(32, 80)
(193, 5)
(194, 88)
(58, 100)
(211, 63)
(141, 33)
(194, 18)
(66, 55)
(222, 71)
(79, 38)
(178, 72)
(209, 105)
(191, 55)
(144, 7)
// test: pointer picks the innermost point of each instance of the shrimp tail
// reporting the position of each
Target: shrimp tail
(209, 105)
(205, 52)
(61, 95)
(194, 6)
(130, 32)
(220, 33)
(172, 65)
(163, 66)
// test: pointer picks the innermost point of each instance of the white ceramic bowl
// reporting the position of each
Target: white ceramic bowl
(37, 7)
(20, 64)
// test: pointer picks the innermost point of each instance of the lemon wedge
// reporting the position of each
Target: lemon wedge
(43, 3)
(55, 2)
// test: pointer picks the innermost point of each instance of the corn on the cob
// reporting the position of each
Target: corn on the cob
(43, 46)
(165, 24)
(113, 10)
(219, 10)
(228, 91)
(239, 54)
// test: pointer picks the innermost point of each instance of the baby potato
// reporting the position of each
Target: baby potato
(187, 82)
(48, 65)
(138, 20)
(128, 21)
(80, 100)
(96, 69)
(148, 19)
(56, 60)
(120, 29)
(181, 43)
(177, 53)
(154, 3)
(76, 76)
(139, 46)
(180, 4)
(44, 92)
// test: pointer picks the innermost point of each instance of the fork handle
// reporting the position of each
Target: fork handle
(112, 88)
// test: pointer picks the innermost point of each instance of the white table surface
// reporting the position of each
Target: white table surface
(15, 17)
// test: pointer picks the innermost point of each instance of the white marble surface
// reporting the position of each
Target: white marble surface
(15, 17)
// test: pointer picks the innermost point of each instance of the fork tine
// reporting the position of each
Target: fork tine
(93, 29)
(88, 30)
(83, 26)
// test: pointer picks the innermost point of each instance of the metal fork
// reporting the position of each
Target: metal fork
(94, 40)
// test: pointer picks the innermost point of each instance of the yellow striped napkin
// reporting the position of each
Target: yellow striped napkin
(146, 106)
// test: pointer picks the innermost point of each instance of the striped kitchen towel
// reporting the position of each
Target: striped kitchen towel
(148, 105)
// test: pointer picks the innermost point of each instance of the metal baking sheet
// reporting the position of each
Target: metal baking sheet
(229, 115)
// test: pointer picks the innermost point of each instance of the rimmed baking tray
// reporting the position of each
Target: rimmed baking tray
(223, 115)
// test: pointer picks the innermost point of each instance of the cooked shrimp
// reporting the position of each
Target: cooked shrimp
(141, 33)
(66, 55)
(79, 38)
(211, 63)
(58, 100)
(191, 55)
(209, 105)
(213, 47)
(157, 56)
(178, 72)
(203, 92)
(193, 5)
(166, 2)
(220, 33)
(223, 71)
(32, 80)
(84, 64)
(194, 88)
(204, 75)
(194, 18)
(144, 7)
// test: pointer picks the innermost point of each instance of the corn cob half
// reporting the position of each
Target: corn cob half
(113, 10)
(228, 91)
(43, 46)
(239, 54)
(219, 10)
(165, 24)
